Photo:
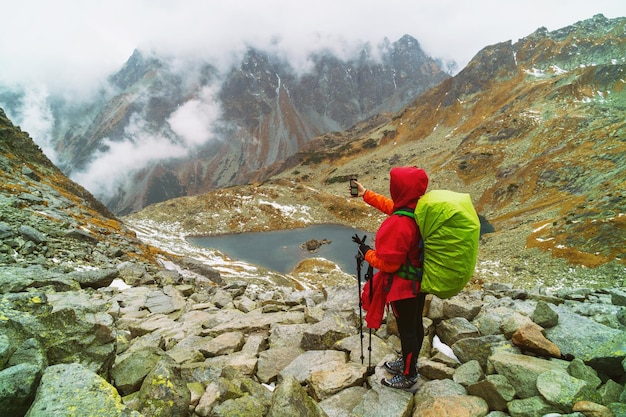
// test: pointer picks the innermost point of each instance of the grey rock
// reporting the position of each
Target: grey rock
(273, 361)
(618, 296)
(495, 389)
(466, 305)
(384, 401)
(589, 341)
(578, 369)
(453, 405)
(65, 387)
(163, 392)
(30, 351)
(82, 235)
(285, 335)
(302, 367)
(290, 399)
(5, 230)
(32, 234)
(222, 298)
(248, 406)
(6, 350)
(327, 382)
(342, 403)
(223, 344)
(513, 323)
(468, 373)
(563, 390)
(188, 349)
(544, 315)
(166, 301)
(352, 345)
(96, 278)
(434, 370)
(439, 387)
(130, 369)
(256, 321)
(17, 388)
(324, 334)
(522, 371)
(610, 392)
(531, 406)
(199, 267)
(479, 348)
(452, 330)
(489, 320)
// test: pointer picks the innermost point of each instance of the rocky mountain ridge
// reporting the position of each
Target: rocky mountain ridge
(235, 121)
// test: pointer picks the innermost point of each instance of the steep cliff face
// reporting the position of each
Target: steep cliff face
(264, 111)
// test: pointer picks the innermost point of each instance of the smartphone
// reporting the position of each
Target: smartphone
(354, 190)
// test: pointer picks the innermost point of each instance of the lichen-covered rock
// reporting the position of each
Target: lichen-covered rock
(290, 399)
(71, 389)
(163, 392)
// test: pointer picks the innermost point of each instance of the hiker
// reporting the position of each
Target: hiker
(397, 241)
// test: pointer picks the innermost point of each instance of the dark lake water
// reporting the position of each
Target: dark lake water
(281, 250)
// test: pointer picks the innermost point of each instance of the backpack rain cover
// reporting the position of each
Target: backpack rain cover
(450, 229)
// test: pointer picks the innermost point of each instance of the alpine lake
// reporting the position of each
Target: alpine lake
(282, 250)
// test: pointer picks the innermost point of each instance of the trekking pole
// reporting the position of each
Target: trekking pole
(359, 263)
(368, 277)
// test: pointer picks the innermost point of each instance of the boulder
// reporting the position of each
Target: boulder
(464, 304)
(468, 373)
(588, 340)
(384, 401)
(18, 384)
(531, 406)
(522, 371)
(304, 365)
(273, 361)
(530, 338)
(544, 315)
(324, 334)
(131, 368)
(163, 392)
(66, 388)
(452, 406)
(290, 399)
(562, 390)
(327, 382)
(452, 330)
(495, 389)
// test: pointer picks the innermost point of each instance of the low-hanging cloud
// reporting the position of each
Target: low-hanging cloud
(113, 168)
(193, 121)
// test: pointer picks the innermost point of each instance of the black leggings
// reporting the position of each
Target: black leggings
(408, 314)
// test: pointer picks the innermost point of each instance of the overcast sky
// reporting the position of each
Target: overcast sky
(70, 44)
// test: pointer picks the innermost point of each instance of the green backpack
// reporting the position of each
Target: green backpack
(450, 230)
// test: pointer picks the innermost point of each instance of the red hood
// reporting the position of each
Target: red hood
(406, 186)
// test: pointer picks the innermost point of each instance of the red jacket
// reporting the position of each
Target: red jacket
(396, 240)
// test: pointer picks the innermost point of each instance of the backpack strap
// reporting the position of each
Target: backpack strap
(407, 270)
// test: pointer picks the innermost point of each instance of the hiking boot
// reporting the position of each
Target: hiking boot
(402, 382)
(395, 367)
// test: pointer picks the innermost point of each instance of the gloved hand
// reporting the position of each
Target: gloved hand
(363, 248)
